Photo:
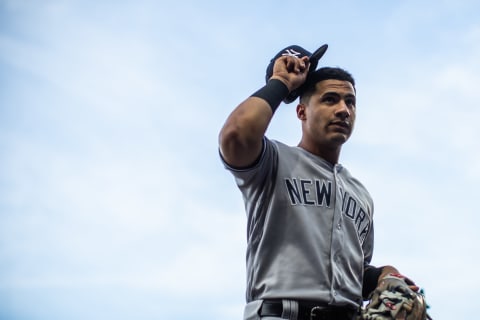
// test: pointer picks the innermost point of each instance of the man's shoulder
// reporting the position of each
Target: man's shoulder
(282, 146)
(278, 145)
(285, 152)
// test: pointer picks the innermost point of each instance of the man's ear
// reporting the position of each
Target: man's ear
(301, 112)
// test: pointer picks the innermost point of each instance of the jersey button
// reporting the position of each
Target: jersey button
(339, 226)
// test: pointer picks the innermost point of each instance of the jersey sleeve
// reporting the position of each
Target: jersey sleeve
(259, 170)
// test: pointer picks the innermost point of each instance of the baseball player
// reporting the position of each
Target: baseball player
(310, 222)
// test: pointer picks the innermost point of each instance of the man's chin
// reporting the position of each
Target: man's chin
(339, 138)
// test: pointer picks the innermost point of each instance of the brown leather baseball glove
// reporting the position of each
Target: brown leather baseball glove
(393, 300)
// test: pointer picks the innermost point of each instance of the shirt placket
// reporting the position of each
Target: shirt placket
(337, 235)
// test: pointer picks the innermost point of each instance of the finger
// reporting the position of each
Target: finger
(290, 64)
(303, 64)
(299, 65)
(414, 288)
(409, 281)
(305, 60)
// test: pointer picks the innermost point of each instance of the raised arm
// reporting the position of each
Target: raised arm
(241, 136)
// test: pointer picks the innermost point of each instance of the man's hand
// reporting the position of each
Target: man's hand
(292, 71)
(395, 299)
(389, 270)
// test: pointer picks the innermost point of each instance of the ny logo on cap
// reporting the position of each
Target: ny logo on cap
(291, 52)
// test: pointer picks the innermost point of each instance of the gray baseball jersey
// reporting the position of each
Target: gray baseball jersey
(310, 228)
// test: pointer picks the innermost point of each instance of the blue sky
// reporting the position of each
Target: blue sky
(113, 201)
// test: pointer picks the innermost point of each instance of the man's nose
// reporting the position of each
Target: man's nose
(343, 111)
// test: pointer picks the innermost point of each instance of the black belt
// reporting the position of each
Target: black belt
(307, 311)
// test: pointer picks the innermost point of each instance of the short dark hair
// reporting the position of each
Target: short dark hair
(325, 73)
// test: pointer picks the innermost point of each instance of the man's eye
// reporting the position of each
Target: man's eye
(329, 99)
(350, 102)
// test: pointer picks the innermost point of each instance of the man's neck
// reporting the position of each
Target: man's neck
(329, 154)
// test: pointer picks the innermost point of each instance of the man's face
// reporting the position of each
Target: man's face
(329, 115)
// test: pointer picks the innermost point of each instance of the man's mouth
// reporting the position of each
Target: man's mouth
(343, 124)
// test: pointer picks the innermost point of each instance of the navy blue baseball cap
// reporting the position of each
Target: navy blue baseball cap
(299, 52)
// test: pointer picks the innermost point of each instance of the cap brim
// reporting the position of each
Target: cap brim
(315, 57)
